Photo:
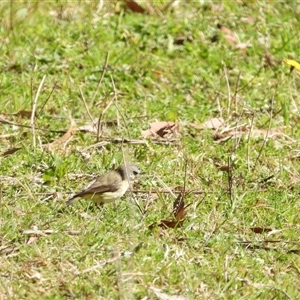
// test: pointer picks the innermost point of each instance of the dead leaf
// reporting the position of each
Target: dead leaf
(236, 131)
(63, 139)
(134, 7)
(224, 168)
(214, 123)
(72, 232)
(179, 208)
(162, 129)
(170, 223)
(269, 60)
(88, 128)
(163, 296)
(38, 232)
(10, 151)
(232, 39)
(179, 212)
(260, 229)
(24, 114)
(31, 240)
(183, 39)
(249, 20)
(230, 36)
(161, 76)
(243, 46)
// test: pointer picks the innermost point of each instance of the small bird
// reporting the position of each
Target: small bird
(109, 186)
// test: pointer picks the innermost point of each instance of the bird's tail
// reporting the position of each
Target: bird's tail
(71, 200)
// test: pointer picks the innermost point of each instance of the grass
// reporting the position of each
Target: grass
(51, 251)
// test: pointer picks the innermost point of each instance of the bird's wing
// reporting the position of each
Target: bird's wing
(98, 188)
(108, 182)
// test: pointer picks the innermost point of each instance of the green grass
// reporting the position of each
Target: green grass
(111, 253)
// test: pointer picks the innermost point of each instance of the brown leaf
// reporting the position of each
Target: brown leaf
(163, 296)
(10, 151)
(249, 20)
(134, 7)
(183, 39)
(63, 139)
(214, 123)
(88, 128)
(161, 129)
(260, 229)
(243, 46)
(238, 130)
(269, 60)
(223, 168)
(229, 35)
(37, 231)
(31, 240)
(24, 114)
(179, 209)
(170, 223)
(161, 76)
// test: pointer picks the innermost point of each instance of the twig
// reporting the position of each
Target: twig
(34, 109)
(99, 6)
(101, 116)
(166, 191)
(86, 107)
(28, 126)
(248, 143)
(116, 105)
(184, 182)
(115, 99)
(255, 75)
(228, 88)
(54, 86)
(11, 22)
(101, 78)
(230, 181)
(266, 136)
(236, 90)
(100, 265)
(238, 120)
(130, 188)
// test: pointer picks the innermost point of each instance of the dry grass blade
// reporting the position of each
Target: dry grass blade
(34, 103)
(134, 7)
(10, 151)
(63, 139)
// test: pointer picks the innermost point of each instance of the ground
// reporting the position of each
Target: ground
(214, 72)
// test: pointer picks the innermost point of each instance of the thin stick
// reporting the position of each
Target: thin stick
(54, 86)
(185, 172)
(32, 124)
(255, 75)
(99, 6)
(266, 137)
(228, 88)
(28, 126)
(115, 98)
(238, 140)
(230, 181)
(248, 143)
(117, 107)
(101, 116)
(236, 90)
(101, 78)
(11, 22)
(86, 107)
(130, 188)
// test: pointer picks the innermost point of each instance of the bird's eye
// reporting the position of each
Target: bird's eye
(135, 172)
